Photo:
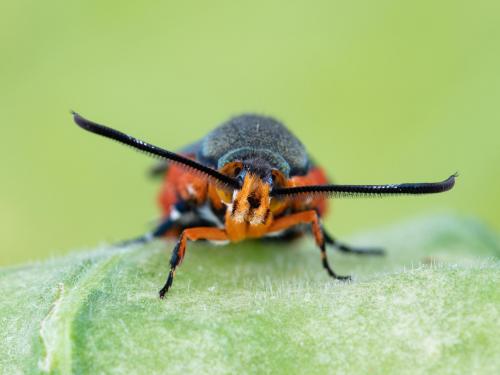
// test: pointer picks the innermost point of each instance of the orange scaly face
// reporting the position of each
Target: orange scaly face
(249, 214)
(250, 209)
(251, 203)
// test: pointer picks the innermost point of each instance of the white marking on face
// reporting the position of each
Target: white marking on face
(239, 217)
(256, 220)
(235, 194)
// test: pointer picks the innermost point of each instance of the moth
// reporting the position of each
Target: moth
(248, 178)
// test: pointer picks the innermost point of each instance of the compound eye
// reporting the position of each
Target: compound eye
(232, 169)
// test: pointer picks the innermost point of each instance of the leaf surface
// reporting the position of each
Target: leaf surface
(430, 305)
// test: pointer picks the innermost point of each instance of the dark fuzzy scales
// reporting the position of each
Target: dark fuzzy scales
(256, 133)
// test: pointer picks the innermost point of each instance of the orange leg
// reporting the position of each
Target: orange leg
(192, 234)
(308, 217)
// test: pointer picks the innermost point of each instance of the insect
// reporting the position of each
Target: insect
(248, 178)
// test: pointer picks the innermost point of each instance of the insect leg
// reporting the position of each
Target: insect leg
(192, 234)
(166, 223)
(308, 217)
(349, 249)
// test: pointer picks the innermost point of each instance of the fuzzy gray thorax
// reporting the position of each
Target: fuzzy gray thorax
(255, 137)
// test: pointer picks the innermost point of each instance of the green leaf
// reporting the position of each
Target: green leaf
(431, 305)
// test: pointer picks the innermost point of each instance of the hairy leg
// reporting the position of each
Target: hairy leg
(349, 249)
(192, 234)
(308, 217)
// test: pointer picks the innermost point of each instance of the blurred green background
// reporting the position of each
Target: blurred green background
(380, 92)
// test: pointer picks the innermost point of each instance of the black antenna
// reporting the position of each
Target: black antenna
(154, 151)
(367, 190)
